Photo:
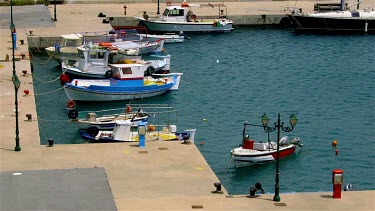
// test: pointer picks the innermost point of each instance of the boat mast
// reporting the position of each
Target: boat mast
(343, 5)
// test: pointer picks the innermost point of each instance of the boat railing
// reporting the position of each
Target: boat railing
(160, 115)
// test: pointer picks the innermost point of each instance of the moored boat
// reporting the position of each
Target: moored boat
(105, 119)
(94, 61)
(67, 47)
(254, 152)
(344, 20)
(123, 132)
(177, 18)
(128, 83)
(168, 38)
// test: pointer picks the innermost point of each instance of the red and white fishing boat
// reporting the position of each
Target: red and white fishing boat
(263, 152)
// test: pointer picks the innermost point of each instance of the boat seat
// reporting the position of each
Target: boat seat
(264, 146)
(97, 63)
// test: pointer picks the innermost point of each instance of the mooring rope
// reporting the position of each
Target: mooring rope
(40, 128)
(230, 161)
(49, 92)
(43, 81)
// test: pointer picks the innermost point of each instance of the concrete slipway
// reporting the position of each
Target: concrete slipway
(162, 176)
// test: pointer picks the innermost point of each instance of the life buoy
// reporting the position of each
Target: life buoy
(150, 70)
(72, 113)
(70, 104)
(109, 74)
(93, 131)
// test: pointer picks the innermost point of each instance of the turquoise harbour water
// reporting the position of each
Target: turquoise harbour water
(327, 81)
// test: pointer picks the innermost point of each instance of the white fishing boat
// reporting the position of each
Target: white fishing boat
(123, 132)
(94, 61)
(105, 122)
(128, 82)
(162, 126)
(105, 119)
(177, 18)
(253, 152)
(67, 47)
(168, 37)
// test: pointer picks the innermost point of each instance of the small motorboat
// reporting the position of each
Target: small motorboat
(168, 37)
(106, 122)
(123, 132)
(263, 152)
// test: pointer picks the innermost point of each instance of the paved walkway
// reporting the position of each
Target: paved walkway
(163, 176)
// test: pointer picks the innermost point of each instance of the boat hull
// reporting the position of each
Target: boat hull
(83, 94)
(186, 27)
(303, 23)
(102, 125)
(260, 157)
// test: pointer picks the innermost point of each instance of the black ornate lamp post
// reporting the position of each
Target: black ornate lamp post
(158, 8)
(16, 84)
(278, 126)
(55, 19)
(16, 81)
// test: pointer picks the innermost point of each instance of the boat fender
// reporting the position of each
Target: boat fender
(285, 23)
(109, 74)
(70, 104)
(72, 113)
(64, 78)
(128, 109)
(93, 131)
(57, 48)
(150, 70)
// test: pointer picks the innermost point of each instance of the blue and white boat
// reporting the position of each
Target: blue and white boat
(123, 132)
(94, 61)
(128, 82)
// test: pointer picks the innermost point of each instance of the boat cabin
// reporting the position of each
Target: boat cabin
(128, 75)
(121, 131)
(93, 57)
(183, 13)
(70, 41)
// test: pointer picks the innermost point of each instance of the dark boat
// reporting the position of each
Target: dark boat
(339, 21)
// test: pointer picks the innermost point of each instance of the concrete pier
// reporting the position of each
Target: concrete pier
(161, 176)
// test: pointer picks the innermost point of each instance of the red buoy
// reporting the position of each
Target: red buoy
(128, 109)
(64, 78)
(337, 151)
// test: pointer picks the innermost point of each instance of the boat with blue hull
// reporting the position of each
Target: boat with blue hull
(128, 83)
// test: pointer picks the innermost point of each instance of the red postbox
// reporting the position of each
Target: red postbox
(337, 180)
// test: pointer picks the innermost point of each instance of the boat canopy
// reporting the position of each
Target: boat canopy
(72, 36)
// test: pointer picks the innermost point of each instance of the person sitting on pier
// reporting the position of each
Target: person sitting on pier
(145, 16)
